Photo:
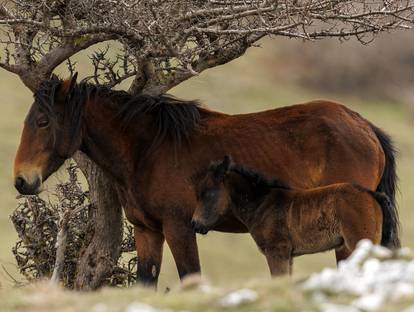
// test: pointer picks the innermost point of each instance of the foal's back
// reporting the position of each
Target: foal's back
(327, 217)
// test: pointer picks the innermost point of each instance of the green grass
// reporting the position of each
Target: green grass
(244, 85)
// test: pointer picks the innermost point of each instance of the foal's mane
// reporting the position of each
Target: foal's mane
(257, 179)
(175, 119)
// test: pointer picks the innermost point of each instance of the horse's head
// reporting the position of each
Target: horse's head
(51, 134)
(213, 197)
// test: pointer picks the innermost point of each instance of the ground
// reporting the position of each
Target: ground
(230, 261)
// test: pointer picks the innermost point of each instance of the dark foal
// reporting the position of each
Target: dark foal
(286, 222)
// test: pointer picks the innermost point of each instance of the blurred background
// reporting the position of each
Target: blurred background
(376, 80)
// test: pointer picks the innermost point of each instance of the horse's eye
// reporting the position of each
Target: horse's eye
(42, 123)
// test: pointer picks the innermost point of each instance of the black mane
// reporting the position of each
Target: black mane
(175, 119)
(258, 179)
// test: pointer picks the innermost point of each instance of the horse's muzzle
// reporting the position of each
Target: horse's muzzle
(199, 227)
(26, 188)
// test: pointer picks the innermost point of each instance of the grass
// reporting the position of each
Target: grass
(282, 295)
(244, 85)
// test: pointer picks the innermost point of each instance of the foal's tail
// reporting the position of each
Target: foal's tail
(390, 221)
(388, 186)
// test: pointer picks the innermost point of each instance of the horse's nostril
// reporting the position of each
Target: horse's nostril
(19, 183)
(27, 188)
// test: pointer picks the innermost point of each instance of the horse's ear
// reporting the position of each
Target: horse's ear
(223, 167)
(69, 84)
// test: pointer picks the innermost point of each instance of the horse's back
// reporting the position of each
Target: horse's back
(310, 144)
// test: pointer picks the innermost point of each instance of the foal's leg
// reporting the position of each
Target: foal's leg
(278, 265)
(342, 253)
(291, 265)
(181, 239)
(149, 249)
(361, 222)
(279, 260)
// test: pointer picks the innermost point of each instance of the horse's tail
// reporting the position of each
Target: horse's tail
(388, 186)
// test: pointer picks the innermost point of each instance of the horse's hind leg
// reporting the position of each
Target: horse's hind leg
(149, 250)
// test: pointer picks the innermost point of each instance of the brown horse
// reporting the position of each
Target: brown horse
(152, 145)
(286, 222)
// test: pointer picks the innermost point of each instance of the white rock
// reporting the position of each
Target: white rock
(381, 252)
(402, 290)
(372, 274)
(360, 254)
(369, 302)
(238, 297)
(331, 307)
(141, 307)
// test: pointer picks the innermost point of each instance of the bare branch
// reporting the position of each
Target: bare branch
(166, 42)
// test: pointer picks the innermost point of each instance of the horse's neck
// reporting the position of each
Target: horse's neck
(108, 143)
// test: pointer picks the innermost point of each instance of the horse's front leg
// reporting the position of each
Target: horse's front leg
(182, 241)
(149, 245)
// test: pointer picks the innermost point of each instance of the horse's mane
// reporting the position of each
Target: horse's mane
(258, 179)
(175, 119)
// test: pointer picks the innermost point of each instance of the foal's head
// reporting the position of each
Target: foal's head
(227, 189)
(213, 197)
(51, 134)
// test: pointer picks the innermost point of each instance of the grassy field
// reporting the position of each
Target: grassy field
(244, 85)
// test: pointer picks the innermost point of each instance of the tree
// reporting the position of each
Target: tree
(159, 44)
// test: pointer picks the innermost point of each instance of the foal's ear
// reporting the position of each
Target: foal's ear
(227, 162)
(68, 85)
(223, 167)
(54, 77)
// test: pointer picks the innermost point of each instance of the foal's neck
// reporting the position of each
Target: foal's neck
(246, 198)
(251, 203)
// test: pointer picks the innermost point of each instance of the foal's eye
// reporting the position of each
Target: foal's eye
(42, 123)
(209, 194)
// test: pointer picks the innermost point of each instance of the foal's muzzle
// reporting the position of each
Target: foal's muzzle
(27, 188)
(199, 227)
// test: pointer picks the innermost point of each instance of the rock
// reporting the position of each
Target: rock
(238, 297)
(372, 274)
(331, 307)
(370, 302)
(141, 307)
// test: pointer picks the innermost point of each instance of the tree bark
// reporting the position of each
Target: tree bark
(102, 247)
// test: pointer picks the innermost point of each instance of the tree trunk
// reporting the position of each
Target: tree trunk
(102, 248)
